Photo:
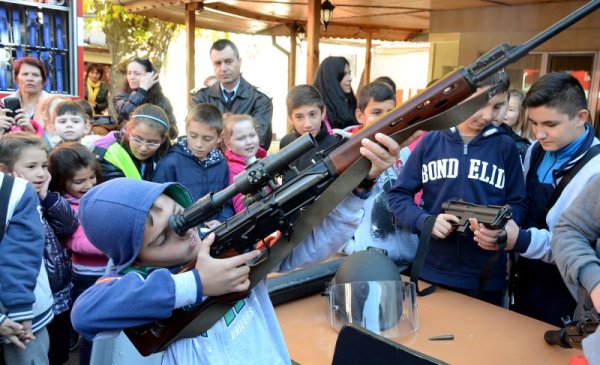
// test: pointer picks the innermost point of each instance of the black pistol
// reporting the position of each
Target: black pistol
(492, 216)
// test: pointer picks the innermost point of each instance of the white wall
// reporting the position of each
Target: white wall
(407, 67)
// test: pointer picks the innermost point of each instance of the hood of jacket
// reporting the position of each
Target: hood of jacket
(107, 140)
(452, 134)
(113, 215)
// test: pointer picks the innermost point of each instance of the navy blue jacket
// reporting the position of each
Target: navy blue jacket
(199, 177)
(488, 170)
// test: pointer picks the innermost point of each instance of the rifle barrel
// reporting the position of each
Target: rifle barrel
(519, 51)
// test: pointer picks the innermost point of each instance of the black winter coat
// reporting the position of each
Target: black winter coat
(248, 100)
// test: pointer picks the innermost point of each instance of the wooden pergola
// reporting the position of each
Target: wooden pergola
(391, 20)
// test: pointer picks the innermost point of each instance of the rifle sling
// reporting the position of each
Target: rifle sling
(417, 264)
(423, 247)
(489, 265)
(317, 212)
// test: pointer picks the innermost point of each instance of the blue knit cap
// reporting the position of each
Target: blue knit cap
(113, 215)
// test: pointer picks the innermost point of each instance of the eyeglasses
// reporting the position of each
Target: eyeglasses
(141, 142)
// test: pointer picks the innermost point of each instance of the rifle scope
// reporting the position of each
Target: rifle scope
(257, 174)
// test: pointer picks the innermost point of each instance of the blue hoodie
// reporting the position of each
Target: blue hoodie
(129, 299)
(487, 170)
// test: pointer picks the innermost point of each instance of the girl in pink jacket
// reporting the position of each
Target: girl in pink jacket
(241, 142)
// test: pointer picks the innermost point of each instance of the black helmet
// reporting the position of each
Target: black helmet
(367, 291)
(369, 265)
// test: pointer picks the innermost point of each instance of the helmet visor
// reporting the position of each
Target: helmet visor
(387, 308)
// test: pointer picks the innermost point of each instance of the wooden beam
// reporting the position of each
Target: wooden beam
(277, 30)
(190, 40)
(368, 27)
(136, 6)
(313, 33)
(225, 8)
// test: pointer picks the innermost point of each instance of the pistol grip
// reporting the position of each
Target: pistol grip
(461, 226)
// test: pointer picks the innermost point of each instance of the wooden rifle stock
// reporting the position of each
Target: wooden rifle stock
(439, 97)
(153, 337)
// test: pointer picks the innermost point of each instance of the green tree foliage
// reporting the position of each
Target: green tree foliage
(128, 36)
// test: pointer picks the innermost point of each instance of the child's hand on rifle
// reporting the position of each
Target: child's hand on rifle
(222, 276)
(444, 225)
(487, 238)
(383, 154)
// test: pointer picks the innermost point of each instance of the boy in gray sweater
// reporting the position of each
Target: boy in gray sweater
(577, 255)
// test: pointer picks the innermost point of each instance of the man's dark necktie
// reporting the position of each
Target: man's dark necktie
(230, 96)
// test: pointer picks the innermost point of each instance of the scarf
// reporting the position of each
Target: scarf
(93, 88)
(212, 158)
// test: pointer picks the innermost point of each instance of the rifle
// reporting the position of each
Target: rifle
(492, 216)
(574, 331)
(277, 211)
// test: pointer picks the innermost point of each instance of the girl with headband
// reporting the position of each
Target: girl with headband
(135, 151)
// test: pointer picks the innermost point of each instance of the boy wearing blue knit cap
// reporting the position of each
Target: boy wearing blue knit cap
(146, 253)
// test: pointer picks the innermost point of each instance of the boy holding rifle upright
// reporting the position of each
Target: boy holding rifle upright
(557, 110)
(143, 287)
(475, 162)
(378, 227)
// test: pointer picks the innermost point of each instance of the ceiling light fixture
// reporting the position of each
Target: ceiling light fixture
(326, 13)
(300, 32)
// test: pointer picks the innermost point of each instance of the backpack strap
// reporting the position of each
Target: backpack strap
(5, 190)
(566, 179)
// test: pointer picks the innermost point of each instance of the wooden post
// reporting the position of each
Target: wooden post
(190, 40)
(313, 33)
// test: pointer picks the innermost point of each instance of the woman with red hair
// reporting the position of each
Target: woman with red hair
(30, 78)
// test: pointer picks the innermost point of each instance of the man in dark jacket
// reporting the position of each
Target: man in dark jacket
(233, 94)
